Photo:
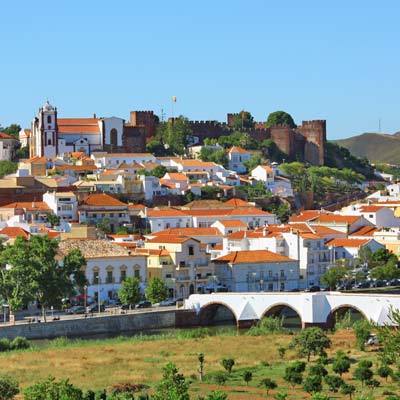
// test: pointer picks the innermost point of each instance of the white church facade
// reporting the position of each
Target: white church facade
(52, 136)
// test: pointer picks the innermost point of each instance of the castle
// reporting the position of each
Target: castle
(52, 135)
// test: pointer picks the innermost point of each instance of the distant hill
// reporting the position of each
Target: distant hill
(377, 147)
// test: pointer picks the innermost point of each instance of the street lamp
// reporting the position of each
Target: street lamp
(85, 297)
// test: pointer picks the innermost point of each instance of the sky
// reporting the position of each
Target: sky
(336, 60)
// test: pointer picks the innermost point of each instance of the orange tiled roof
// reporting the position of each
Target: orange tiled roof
(78, 125)
(165, 212)
(347, 242)
(4, 135)
(29, 206)
(233, 223)
(337, 218)
(176, 176)
(237, 149)
(236, 202)
(13, 232)
(253, 256)
(189, 232)
(152, 252)
(365, 231)
(170, 239)
(70, 167)
(103, 199)
(196, 163)
(36, 159)
(136, 206)
(306, 215)
(371, 208)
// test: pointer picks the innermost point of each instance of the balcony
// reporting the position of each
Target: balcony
(110, 280)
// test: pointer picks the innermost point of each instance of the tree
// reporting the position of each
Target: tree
(9, 387)
(334, 382)
(282, 352)
(228, 364)
(332, 277)
(220, 378)
(311, 341)
(159, 171)
(52, 389)
(348, 389)
(268, 384)
(17, 287)
(254, 161)
(247, 376)
(7, 168)
(156, 291)
(175, 134)
(201, 359)
(372, 383)
(13, 130)
(317, 369)
(242, 119)
(211, 192)
(384, 371)
(129, 292)
(53, 219)
(363, 371)
(214, 155)
(362, 329)
(104, 226)
(312, 384)
(156, 147)
(293, 377)
(280, 118)
(22, 152)
(172, 386)
(341, 363)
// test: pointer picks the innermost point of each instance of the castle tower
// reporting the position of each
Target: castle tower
(44, 133)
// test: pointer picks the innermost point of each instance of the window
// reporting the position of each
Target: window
(110, 277)
(96, 280)
(123, 275)
(182, 264)
(270, 287)
(282, 288)
(49, 119)
(137, 273)
(114, 137)
(191, 250)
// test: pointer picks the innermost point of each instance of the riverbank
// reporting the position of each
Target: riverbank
(96, 364)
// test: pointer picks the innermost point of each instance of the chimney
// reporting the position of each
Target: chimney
(94, 115)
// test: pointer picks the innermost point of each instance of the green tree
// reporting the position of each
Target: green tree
(312, 384)
(104, 226)
(156, 291)
(348, 389)
(293, 377)
(175, 134)
(9, 387)
(363, 371)
(50, 389)
(333, 276)
(341, 363)
(372, 383)
(218, 156)
(22, 152)
(211, 192)
(243, 119)
(172, 386)
(17, 286)
(53, 219)
(220, 378)
(247, 376)
(334, 382)
(384, 371)
(253, 162)
(156, 147)
(159, 171)
(362, 330)
(228, 364)
(13, 130)
(268, 384)
(317, 369)
(7, 168)
(311, 341)
(281, 352)
(280, 118)
(129, 291)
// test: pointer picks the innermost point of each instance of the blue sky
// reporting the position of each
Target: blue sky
(338, 60)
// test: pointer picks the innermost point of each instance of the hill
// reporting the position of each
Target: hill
(377, 147)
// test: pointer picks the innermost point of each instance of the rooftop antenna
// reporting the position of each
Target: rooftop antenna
(173, 102)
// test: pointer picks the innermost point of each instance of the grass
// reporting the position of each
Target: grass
(97, 364)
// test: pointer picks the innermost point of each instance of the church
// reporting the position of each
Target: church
(52, 136)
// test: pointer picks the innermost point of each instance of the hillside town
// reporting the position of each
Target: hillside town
(202, 206)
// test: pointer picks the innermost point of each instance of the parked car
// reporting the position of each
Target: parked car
(372, 340)
(393, 282)
(167, 303)
(75, 310)
(313, 289)
(93, 308)
(143, 304)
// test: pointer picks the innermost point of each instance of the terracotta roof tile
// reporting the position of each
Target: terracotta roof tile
(237, 149)
(365, 231)
(253, 256)
(189, 232)
(103, 199)
(347, 242)
(13, 232)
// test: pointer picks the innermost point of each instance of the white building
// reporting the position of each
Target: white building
(114, 160)
(107, 265)
(256, 271)
(236, 159)
(62, 204)
(52, 136)
(8, 147)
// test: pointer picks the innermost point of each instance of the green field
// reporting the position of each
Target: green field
(98, 364)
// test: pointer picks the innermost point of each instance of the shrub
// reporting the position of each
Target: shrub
(282, 352)
(220, 378)
(341, 363)
(298, 366)
(384, 371)
(217, 395)
(4, 345)
(363, 371)
(247, 376)
(266, 326)
(228, 364)
(128, 388)
(293, 377)
(362, 329)
(51, 389)
(348, 389)
(317, 369)
(268, 384)
(20, 343)
(334, 382)
(319, 396)
(312, 384)
(8, 387)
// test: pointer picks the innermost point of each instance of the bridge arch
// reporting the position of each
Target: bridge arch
(280, 309)
(341, 310)
(210, 314)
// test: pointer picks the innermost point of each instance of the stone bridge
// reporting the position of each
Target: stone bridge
(313, 309)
